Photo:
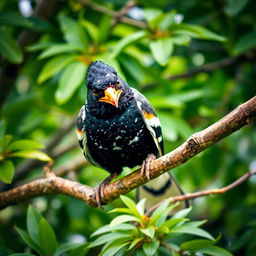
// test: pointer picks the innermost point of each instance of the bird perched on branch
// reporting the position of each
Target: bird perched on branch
(118, 127)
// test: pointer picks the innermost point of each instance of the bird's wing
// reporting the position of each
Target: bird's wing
(81, 135)
(80, 129)
(165, 185)
(150, 119)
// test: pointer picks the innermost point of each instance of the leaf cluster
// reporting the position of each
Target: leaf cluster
(135, 233)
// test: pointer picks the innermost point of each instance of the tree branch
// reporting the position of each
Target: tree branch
(208, 192)
(242, 115)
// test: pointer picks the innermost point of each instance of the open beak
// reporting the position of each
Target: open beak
(111, 96)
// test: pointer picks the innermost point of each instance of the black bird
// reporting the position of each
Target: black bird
(118, 127)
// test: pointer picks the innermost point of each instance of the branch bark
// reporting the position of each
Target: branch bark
(242, 115)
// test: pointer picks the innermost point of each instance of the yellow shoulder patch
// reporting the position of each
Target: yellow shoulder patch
(148, 115)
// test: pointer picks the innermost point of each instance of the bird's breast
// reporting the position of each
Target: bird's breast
(123, 140)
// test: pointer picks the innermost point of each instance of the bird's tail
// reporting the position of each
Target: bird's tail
(160, 188)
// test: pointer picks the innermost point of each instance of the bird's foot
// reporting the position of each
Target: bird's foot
(145, 167)
(99, 190)
(99, 194)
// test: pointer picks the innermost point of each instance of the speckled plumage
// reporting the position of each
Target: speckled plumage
(122, 140)
(115, 136)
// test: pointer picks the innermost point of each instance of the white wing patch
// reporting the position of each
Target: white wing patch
(150, 119)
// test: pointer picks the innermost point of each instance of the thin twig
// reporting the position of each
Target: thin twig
(168, 247)
(114, 14)
(207, 68)
(242, 115)
(204, 192)
(122, 12)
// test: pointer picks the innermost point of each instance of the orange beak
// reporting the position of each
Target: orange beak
(111, 96)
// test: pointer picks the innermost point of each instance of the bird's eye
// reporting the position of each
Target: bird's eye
(95, 92)
(118, 84)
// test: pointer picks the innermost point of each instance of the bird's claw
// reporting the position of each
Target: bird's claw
(99, 194)
(145, 167)
(99, 190)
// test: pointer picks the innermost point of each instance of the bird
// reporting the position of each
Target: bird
(117, 127)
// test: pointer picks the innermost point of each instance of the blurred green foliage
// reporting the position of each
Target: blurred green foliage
(42, 79)
(132, 233)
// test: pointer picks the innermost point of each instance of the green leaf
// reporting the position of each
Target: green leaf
(47, 237)
(24, 144)
(167, 20)
(102, 230)
(107, 228)
(162, 21)
(123, 218)
(214, 251)
(5, 141)
(195, 31)
(34, 154)
(181, 39)
(164, 214)
(14, 19)
(57, 49)
(151, 14)
(135, 242)
(33, 219)
(159, 209)
(234, 7)
(109, 237)
(116, 241)
(245, 43)
(28, 240)
(73, 31)
(192, 230)
(104, 28)
(141, 206)
(162, 50)
(196, 244)
(150, 231)
(6, 171)
(123, 210)
(9, 48)
(171, 222)
(65, 248)
(132, 38)
(92, 29)
(196, 224)
(131, 205)
(79, 251)
(112, 250)
(162, 210)
(70, 79)
(39, 46)
(182, 213)
(55, 65)
(151, 248)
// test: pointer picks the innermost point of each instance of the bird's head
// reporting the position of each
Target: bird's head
(104, 85)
